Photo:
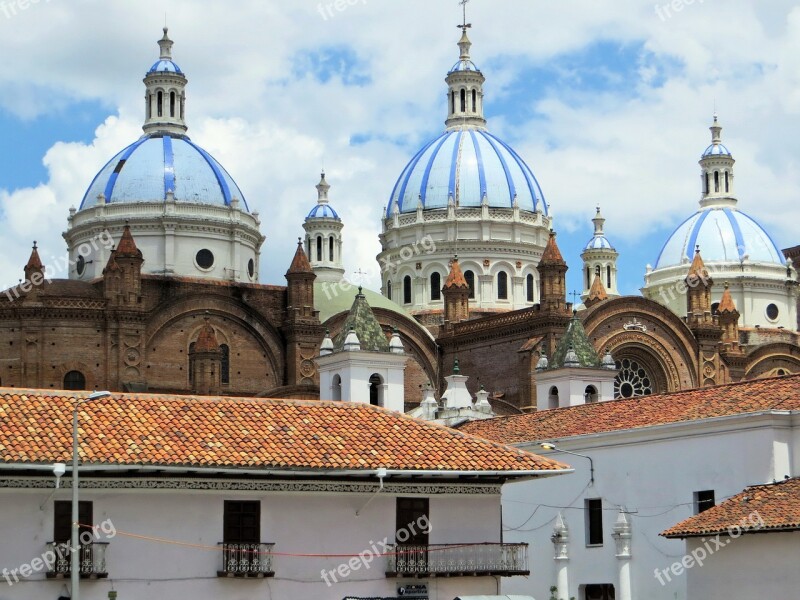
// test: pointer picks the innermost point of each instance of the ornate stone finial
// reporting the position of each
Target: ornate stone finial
(571, 358)
(608, 361)
(716, 131)
(543, 363)
(560, 538)
(622, 534)
(322, 189)
(326, 347)
(165, 44)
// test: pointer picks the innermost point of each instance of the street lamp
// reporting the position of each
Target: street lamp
(551, 446)
(75, 548)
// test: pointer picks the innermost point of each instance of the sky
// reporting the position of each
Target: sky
(608, 101)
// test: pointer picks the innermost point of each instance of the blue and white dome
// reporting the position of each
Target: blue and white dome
(322, 211)
(161, 66)
(464, 65)
(154, 165)
(467, 164)
(599, 242)
(717, 149)
(724, 234)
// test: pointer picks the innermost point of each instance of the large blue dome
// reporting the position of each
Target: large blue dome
(467, 164)
(154, 165)
(724, 234)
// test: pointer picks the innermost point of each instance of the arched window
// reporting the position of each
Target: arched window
(336, 388)
(529, 287)
(716, 181)
(160, 106)
(308, 247)
(407, 289)
(590, 394)
(552, 399)
(376, 390)
(389, 290)
(436, 286)
(74, 380)
(588, 277)
(727, 182)
(707, 186)
(452, 102)
(172, 104)
(225, 375)
(463, 100)
(330, 248)
(474, 101)
(191, 364)
(502, 285)
(608, 276)
(319, 248)
(149, 105)
(469, 277)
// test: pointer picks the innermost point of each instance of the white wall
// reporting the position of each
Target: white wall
(654, 474)
(320, 523)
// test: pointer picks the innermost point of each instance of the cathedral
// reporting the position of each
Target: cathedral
(164, 294)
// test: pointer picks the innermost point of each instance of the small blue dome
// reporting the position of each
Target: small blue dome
(599, 242)
(466, 164)
(322, 211)
(165, 65)
(717, 150)
(464, 65)
(724, 235)
(154, 165)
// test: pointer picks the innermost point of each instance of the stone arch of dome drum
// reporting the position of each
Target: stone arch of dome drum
(187, 214)
(470, 194)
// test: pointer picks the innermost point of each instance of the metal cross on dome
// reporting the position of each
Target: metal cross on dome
(464, 26)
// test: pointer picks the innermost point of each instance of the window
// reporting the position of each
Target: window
(474, 101)
(330, 248)
(407, 289)
(308, 248)
(204, 259)
(452, 102)
(412, 521)
(715, 308)
(590, 394)
(773, 312)
(529, 287)
(160, 103)
(389, 290)
(336, 388)
(727, 182)
(588, 278)
(80, 265)
(319, 248)
(150, 106)
(703, 500)
(62, 519)
(191, 364)
(463, 101)
(436, 286)
(593, 507)
(242, 522)
(632, 380)
(225, 375)
(716, 181)
(251, 267)
(376, 390)
(469, 277)
(74, 380)
(172, 104)
(552, 399)
(608, 276)
(502, 285)
(599, 591)
(707, 185)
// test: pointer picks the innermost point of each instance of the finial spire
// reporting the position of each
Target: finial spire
(322, 189)
(599, 222)
(165, 44)
(716, 131)
(464, 25)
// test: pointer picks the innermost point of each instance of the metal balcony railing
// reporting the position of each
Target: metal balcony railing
(451, 560)
(246, 560)
(92, 560)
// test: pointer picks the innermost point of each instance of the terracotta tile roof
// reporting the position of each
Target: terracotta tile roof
(598, 290)
(206, 339)
(300, 262)
(777, 505)
(148, 429)
(551, 252)
(127, 246)
(455, 279)
(779, 393)
(34, 262)
(726, 302)
(698, 267)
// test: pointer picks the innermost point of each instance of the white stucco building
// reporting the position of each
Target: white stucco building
(736, 250)
(186, 212)
(655, 461)
(240, 498)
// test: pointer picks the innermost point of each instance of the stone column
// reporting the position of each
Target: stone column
(560, 539)
(622, 537)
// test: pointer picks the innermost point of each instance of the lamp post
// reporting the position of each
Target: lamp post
(551, 446)
(75, 558)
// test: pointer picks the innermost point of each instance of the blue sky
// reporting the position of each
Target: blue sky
(607, 102)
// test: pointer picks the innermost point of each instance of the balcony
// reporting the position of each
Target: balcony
(92, 560)
(246, 560)
(454, 560)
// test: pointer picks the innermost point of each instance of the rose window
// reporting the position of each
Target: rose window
(632, 380)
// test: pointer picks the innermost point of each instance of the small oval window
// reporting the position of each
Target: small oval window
(772, 312)
(80, 265)
(205, 259)
(251, 267)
